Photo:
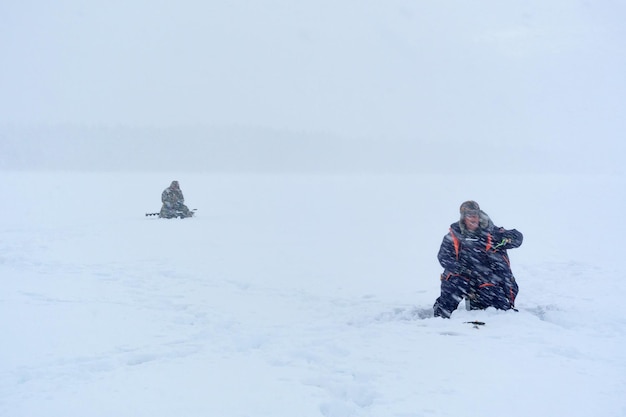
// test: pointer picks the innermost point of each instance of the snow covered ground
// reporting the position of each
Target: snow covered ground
(308, 295)
(303, 295)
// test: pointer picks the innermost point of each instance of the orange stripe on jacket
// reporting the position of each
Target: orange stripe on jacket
(456, 242)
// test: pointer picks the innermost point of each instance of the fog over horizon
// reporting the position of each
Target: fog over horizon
(399, 86)
(265, 151)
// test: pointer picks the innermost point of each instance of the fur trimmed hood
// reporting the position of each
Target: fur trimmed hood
(485, 223)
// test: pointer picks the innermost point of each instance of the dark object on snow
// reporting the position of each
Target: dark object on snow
(476, 265)
(174, 203)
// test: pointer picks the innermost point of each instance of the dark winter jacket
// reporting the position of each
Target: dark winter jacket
(464, 253)
(479, 256)
(174, 203)
(172, 196)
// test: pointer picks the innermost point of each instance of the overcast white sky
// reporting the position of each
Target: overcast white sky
(548, 73)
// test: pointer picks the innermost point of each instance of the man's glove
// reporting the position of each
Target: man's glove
(503, 242)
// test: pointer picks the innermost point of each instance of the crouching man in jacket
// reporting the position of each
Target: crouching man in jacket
(476, 264)
(174, 203)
